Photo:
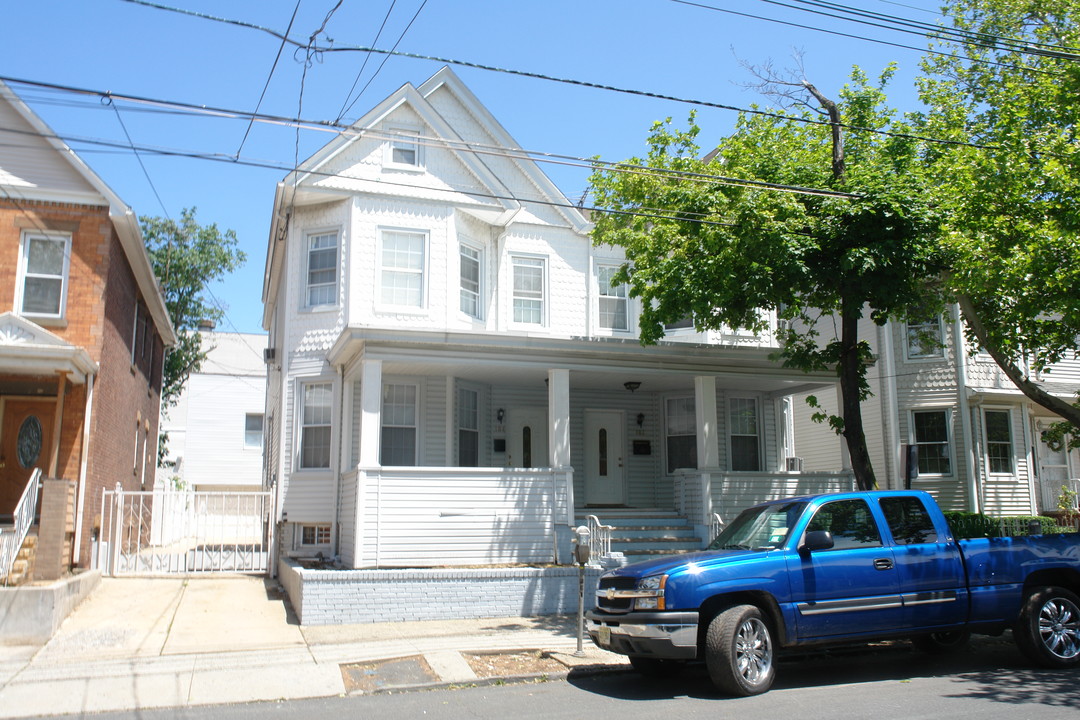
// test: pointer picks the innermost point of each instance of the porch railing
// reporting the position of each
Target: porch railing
(599, 539)
(716, 526)
(11, 539)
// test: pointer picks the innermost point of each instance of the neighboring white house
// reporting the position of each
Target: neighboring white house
(454, 379)
(216, 428)
(977, 440)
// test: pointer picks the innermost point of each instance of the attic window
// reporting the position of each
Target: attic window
(403, 149)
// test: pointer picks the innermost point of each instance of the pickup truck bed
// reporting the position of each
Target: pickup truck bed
(837, 568)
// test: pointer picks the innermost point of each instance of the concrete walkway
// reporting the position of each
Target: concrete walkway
(172, 642)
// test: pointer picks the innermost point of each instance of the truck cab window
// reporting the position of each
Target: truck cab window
(908, 521)
(850, 523)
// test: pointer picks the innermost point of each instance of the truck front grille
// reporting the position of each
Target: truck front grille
(615, 605)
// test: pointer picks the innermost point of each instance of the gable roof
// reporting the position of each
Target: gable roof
(38, 166)
(499, 208)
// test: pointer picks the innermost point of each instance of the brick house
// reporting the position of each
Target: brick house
(454, 380)
(83, 327)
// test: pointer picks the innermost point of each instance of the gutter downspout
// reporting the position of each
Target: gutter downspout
(337, 463)
(83, 462)
(959, 348)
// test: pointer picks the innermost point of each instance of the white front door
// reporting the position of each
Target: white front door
(1053, 470)
(527, 438)
(605, 456)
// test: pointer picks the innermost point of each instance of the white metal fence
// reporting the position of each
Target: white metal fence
(177, 532)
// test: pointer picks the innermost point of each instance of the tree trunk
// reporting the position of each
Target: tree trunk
(1036, 394)
(850, 391)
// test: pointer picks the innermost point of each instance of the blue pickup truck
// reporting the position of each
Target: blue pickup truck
(839, 568)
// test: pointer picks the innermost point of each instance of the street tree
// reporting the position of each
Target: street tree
(187, 257)
(1003, 86)
(789, 214)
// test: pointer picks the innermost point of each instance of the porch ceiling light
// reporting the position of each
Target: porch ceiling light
(632, 385)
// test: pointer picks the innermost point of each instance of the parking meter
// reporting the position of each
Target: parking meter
(581, 549)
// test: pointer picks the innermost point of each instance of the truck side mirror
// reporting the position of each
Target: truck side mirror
(816, 540)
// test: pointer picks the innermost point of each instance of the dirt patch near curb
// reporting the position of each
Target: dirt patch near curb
(512, 664)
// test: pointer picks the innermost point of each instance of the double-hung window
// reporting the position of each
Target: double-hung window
(322, 269)
(931, 431)
(43, 274)
(924, 339)
(404, 150)
(743, 430)
(470, 280)
(398, 425)
(613, 313)
(315, 425)
(999, 450)
(681, 433)
(529, 281)
(402, 280)
(468, 427)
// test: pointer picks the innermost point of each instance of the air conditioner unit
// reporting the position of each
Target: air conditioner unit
(794, 464)
(269, 355)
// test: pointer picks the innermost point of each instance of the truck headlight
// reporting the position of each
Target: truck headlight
(649, 593)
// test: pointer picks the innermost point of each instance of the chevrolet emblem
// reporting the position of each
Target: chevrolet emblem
(611, 593)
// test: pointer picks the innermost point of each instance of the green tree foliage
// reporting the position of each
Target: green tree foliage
(700, 244)
(1006, 89)
(187, 257)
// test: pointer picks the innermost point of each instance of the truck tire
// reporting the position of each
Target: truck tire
(739, 651)
(1048, 630)
(655, 667)
(941, 643)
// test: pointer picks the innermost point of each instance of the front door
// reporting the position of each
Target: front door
(1053, 470)
(527, 438)
(605, 455)
(25, 442)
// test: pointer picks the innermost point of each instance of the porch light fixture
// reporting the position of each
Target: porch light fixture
(500, 414)
(632, 385)
(640, 419)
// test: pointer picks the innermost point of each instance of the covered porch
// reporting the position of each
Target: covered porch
(483, 449)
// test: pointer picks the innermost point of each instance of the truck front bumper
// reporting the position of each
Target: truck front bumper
(665, 635)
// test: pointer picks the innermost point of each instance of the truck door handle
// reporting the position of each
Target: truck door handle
(883, 564)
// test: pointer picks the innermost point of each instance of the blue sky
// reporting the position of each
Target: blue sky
(666, 47)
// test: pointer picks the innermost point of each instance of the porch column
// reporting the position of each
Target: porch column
(559, 417)
(370, 412)
(708, 445)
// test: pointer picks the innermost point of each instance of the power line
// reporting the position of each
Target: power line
(385, 58)
(538, 156)
(346, 105)
(270, 75)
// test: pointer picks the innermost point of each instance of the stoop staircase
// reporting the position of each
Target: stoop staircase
(643, 534)
(22, 569)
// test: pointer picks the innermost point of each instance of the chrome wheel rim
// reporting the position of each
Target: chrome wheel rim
(1059, 628)
(753, 651)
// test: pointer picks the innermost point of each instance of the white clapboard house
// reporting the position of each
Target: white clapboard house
(975, 440)
(452, 378)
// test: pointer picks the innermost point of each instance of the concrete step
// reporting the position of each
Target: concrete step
(658, 531)
(656, 544)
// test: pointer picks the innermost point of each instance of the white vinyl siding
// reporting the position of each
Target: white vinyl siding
(322, 269)
(43, 275)
(402, 268)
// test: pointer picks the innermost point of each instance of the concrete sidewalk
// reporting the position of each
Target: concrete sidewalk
(172, 642)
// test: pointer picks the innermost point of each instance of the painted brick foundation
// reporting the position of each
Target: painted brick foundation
(338, 597)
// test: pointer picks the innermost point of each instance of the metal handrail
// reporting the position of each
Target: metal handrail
(599, 539)
(716, 526)
(11, 539)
